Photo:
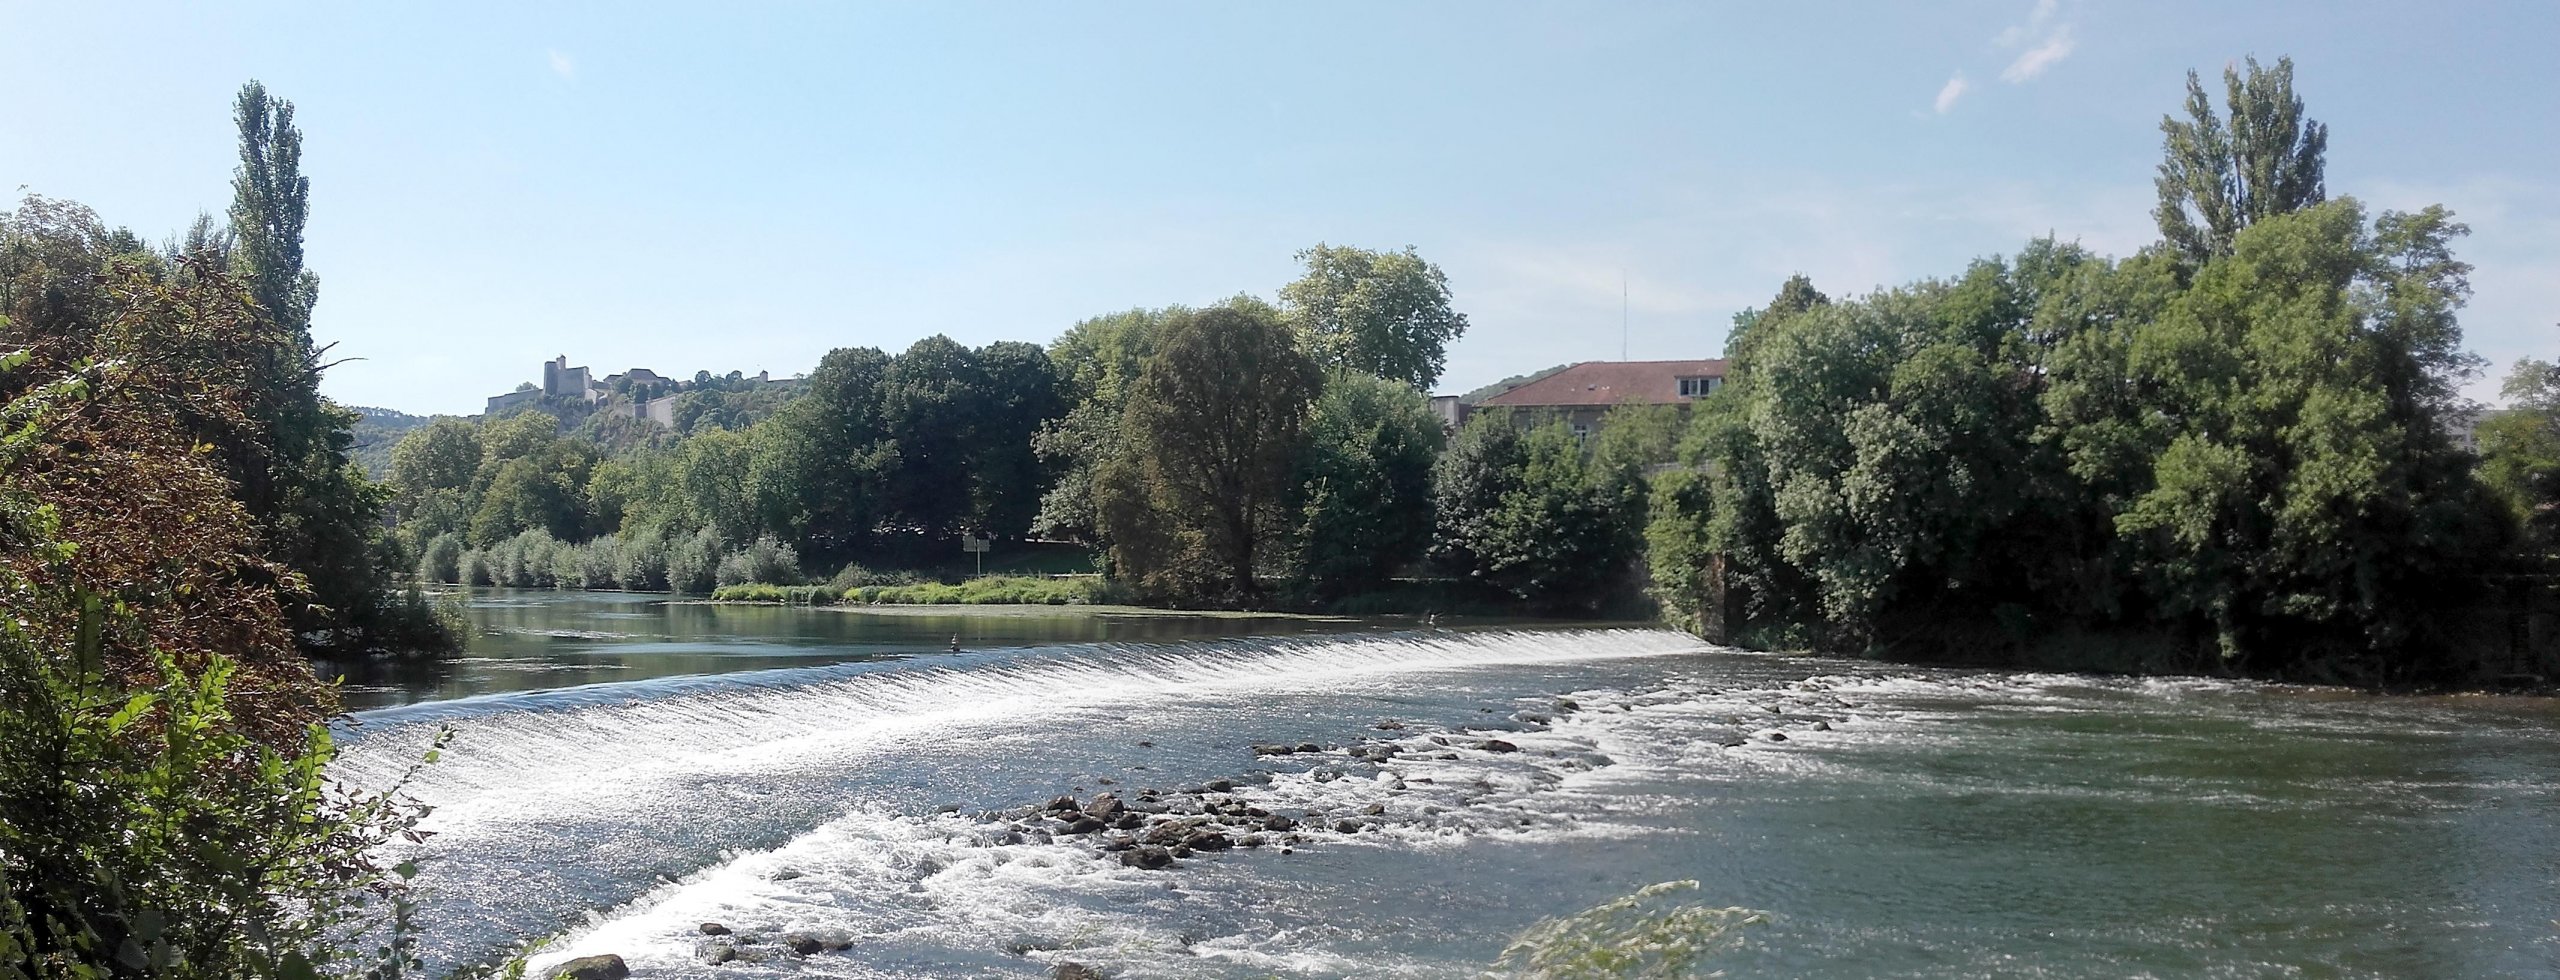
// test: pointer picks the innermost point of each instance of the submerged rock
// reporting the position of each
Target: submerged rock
(606, 967)
(1071, 970)
(804, 945)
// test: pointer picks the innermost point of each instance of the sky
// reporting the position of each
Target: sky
(746, 186)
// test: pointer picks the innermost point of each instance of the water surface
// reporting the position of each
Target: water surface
(1911, 823)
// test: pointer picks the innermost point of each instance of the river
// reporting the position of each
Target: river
(625, 770)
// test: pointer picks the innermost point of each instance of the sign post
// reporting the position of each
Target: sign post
(979, 547)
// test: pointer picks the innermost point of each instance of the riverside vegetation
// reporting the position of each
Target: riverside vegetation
(2225, 453)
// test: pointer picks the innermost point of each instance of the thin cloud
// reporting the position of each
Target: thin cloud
(2038, 58)
(1955, 89)
(2046, 40)
(564, 66)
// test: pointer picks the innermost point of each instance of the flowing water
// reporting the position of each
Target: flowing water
(824, 774)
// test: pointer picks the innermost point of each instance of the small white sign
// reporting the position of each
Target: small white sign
(974, 544)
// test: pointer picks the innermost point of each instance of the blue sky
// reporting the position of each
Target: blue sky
(684, 188)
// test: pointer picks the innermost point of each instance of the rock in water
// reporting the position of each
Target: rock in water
(1147, 858)
(1498, 745)
(605, 967)
(1105, 807)
(1071, 970)
(714, 929)
(803, 945)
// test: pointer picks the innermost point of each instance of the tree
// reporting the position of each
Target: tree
(1096, 363)
(930, 399)
(1210, 438)
(1366, 482)
(2217, 179)
(1532, 517)
(2308, 491)
(442, 455)
(835, 447)
(1384, 313)
(318, 511)
(1020, 396)
(2520, 454)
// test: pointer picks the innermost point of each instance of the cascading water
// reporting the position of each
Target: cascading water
(1463, 786)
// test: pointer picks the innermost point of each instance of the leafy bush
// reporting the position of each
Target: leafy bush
(855, 576)
(795, 595)
(693, 562)
(764, 560)
(989, 591)
(440, 560)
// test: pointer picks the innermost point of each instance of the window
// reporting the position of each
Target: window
(1699, 387)
(1581, 431)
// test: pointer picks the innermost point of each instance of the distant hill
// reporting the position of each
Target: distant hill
(378, 431)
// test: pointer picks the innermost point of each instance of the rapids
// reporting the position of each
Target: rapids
(1910, 822)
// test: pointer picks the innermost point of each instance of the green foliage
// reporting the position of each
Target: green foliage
(2520, 454)
(763, 560)
(1382, 313)
(378, 433)
(294, 472)
(1641, 935)
(1679, 554)
(789, 595)
(2217, 178)
(145, 830)
(1531, 516)
(989, 591)
(1097, 362)
(1366, 484)
(1209, 442)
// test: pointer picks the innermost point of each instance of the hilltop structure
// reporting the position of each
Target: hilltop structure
(639, 392)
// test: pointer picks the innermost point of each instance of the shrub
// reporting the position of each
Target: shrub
(855, 576)
(794, 595)
(643, 565)
(440, 560)
(990, 591)
(764, 560)
(693, 562)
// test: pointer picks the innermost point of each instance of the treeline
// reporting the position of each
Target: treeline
(2228, 452)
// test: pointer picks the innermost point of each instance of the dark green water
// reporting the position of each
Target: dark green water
(833, 779)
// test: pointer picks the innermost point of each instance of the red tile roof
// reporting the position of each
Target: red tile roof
(1608, 383)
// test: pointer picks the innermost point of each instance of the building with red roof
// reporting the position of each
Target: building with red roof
(1580, 395)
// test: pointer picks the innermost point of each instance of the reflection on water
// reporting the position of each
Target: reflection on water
(533, 640)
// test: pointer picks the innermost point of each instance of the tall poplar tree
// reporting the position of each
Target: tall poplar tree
(317, 514)
(2217, 178)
